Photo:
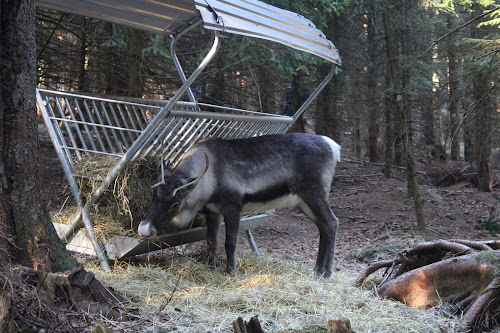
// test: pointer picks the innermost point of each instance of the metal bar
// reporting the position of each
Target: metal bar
(222, 133)
(173, 143)
(129, 154)
(167, 134)
(101, 123)
(89, 151)
(68, 128)
(155, 145)
(177, 142)
(202, 133)
(220, 127)
(213, 115)
(315, 93)
(77, 129)
(56, 127)
(89, 133)
(63, 158)
(129, 114)
(237, 131)
(98, 135)
(98, 125)
(251, 241)
(244, 130)
(184, 142)
(115, 136)
(177, 63)
(138, 113)
(256, 129)
(125, 122)
(95, 98)
(117, 122)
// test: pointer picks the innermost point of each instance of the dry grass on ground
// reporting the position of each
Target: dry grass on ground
(181, 294)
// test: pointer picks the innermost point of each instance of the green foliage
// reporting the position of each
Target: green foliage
(159, 46)
(317, 11)
(118, 39)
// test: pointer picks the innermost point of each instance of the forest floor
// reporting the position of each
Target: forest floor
(377, 218)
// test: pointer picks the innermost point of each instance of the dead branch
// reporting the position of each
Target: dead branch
(373, 267)
(450, 246)
(475, 245)
(434, 43)
(490, 293)
(354, 160)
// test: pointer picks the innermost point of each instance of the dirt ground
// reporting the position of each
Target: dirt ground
(376, 217)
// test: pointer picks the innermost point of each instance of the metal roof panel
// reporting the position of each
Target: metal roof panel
(244, 17)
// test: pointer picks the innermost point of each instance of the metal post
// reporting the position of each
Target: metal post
(59, 151)
(315, 93)
(251, 241)
(176, 61)
(134, 148)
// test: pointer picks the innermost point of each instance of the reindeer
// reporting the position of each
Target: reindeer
(223, 178)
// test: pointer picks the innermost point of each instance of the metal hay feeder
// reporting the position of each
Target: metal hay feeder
(85, 125)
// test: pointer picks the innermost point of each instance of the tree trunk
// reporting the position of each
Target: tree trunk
(483, 111)
(23, 211)
(267, 90)
(452, 88)
(403, 119)
(389, 133)
(328, 122)
(328, 118)
(27, 235)
(82, 65)
(297, 99)
(134, 63)
(428, 117)
(371, 100)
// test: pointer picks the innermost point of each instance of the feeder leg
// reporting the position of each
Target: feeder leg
(251, 241)
(70, 229)
(100, 252)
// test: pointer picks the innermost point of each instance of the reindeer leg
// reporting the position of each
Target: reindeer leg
(320, 212)
(213, 223)
(232, 221)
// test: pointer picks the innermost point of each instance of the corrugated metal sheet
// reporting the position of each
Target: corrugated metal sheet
(243, 17)
(159, 16)
(258, 19)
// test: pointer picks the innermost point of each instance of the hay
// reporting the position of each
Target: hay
(284, 296)
(123, 206)
(130, 195)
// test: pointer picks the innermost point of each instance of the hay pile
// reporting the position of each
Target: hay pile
(181, 294)
(124, 204)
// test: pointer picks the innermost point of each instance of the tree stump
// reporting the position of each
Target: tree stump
(252, 326)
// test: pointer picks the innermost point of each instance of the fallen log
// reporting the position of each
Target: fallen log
(469, 280)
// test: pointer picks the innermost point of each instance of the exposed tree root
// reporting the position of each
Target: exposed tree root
(461, 272)
(58, 302)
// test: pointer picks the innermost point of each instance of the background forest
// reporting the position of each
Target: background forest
(418, 85)
(444, 79)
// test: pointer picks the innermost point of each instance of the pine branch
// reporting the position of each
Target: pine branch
(434, 43)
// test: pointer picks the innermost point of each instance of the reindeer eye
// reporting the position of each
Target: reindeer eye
(174, 206)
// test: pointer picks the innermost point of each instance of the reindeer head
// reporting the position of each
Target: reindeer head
(169, 203)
